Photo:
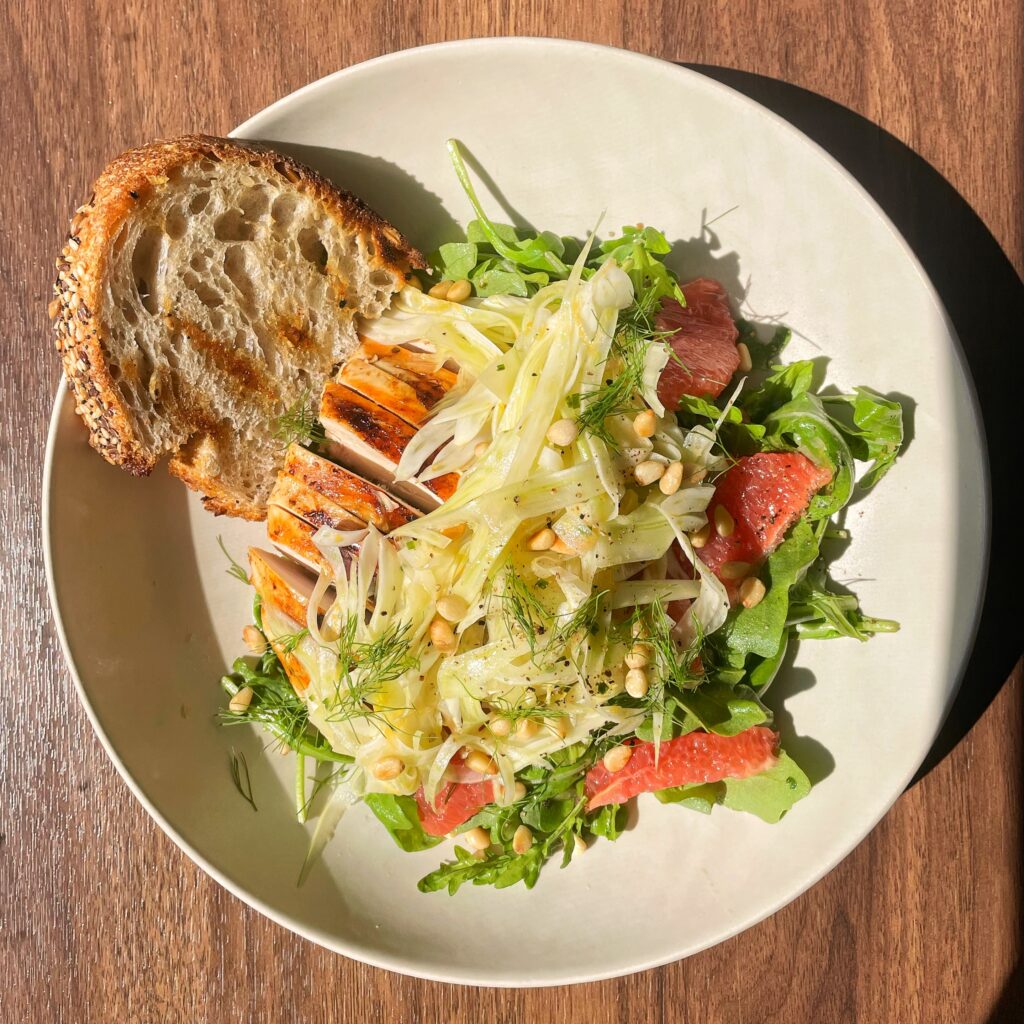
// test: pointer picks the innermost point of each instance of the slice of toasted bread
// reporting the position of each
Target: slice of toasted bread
(206, 292)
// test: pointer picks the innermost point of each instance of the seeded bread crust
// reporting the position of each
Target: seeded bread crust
(81, 274)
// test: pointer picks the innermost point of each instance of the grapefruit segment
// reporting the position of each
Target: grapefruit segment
(703, 340)
(764, 495)
(456, 803)
(695, 757)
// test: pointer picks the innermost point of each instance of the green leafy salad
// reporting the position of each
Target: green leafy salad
(646, 495)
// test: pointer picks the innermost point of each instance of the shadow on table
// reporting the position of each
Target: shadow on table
(984, 298)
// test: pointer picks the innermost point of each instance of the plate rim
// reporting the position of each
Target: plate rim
(405, 965)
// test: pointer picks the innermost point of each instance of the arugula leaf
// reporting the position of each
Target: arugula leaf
(769, 794)
(698, 796)
(636, 251)
(802, 424)
(876, 434)
(500, 871)
(608, 821)
(400, 816)
(815, 612)
(458, 259)
(722, 709)
(783, 385)
(759, 630)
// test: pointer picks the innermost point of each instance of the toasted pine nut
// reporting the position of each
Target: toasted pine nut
(254, 640)
(452, 607)
(388, 768)
(629, 502)
(522, 840)
(241, 700)
(636, 683)
(617, 758)
(442, 636)
(542, 540)
(561, 548)
(480, 450)
(579, 844)
(482, 762)
(639, 630)
(734, 570)
(562, 433)
(440, 290)
(519, 792)
(700, 537)
(476, 838)
(645, 423)
(649, 471)
(672, 478)
(500, 726)
(724, 522)
(459, 291)
(412, 281)
(746, 363)
(526, 729)
(752, 592)
(639, 656)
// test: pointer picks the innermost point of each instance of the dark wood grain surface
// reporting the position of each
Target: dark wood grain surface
(103, 919)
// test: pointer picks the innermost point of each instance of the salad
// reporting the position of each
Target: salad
(551, 532)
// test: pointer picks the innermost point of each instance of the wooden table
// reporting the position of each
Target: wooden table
(103, 919)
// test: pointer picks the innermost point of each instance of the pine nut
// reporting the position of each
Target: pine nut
(671, 479)
(700, 537)
(477, 838)
(645, 424)
(452, 607)
(459, 291)
(724, 522)
(639, 630)
(649, 471)
(442, 636)
(480, 450)
(734, 570)
(639, 656)
(519, 792)
(412, 281)
(542, 540)
(440, 290)
(617, 758)
(562, 433)
(526, 729)
(752, 592)
(579, 845)
(636, 683)
(254, 640)
(241, 700)
(388, 768)
(482, 762)
(746, 363)
(500, 726)
(629, 503)
(522, 840)
(561, 548)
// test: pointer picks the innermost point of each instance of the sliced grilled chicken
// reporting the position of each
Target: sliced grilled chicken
(293, 537)
(282, 584)
(410, 402)
(370, 441)
(286, 591)
(325, 494)
(411, 365)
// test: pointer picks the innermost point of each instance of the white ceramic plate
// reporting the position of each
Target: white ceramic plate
(148, 618)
